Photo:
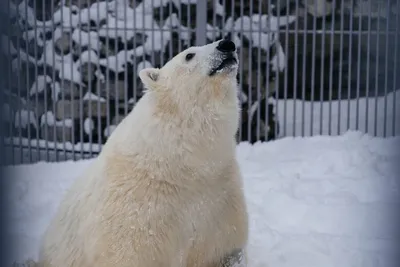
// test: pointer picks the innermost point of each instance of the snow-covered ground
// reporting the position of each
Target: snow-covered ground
(313, 202)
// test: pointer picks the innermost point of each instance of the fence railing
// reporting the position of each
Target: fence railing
(307, 67)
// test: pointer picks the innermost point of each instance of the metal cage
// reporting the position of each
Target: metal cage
(310, 67)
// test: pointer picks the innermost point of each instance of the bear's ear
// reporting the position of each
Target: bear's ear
(150, 77)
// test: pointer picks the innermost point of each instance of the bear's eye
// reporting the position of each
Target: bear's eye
(189, 56)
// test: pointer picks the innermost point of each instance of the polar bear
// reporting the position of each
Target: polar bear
(166, 190)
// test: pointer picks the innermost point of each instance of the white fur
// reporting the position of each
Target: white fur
(166, 190)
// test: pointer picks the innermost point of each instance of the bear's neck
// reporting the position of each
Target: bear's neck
(200, 135)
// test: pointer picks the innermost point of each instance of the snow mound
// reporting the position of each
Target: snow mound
(316, 201)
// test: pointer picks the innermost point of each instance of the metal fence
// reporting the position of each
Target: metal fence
(310, 67)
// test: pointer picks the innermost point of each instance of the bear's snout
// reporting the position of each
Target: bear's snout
(226, 46)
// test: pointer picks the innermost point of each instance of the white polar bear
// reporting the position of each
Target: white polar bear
(166, 190)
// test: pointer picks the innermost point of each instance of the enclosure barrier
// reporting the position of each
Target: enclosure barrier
(310, 67)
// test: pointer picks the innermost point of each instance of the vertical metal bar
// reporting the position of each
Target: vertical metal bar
(146, 29)
(116, 77)
(388, 18)
(99, 122)
(314, 32)
(396, 47)
(378, 35)
(134, 59)
(241, 67)
(81, 141)
(201, 23)
(9, 87)
(350, 65)
(126, 29)
(296, 52)
(38, 130)
(332, 40)
(45, 74)
(359, 73)
(322, 73)
(69, 27)
(223, 19)
(188, 22)
(285, 92)
(108, 97)
(19, 100)
(6, 86)
(268, 76)
(232, 16)
(303, 89)
(28, 100)
(170, 31)
(63, 91)
(340, 68)
(126, 58)
(152, 38)
(250, 97)
(214, 20)
(162, 31)
(277, 83)
(179, 28)
(367, 93)
(259, 96)
(89, 89)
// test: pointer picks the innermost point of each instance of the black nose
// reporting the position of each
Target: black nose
(226, 46)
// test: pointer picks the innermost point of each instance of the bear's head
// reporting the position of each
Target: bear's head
(200, 77)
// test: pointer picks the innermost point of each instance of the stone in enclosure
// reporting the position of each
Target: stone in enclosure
(93, 108)
(24, 112)
(58, 132)
(258, 118)
(93, 129)
(71, 90)
(111, 46)
(21, 77)
(88, 70)
(319, 8)
(25, 123)
(68, 109)
(113, 89)
(63, 45)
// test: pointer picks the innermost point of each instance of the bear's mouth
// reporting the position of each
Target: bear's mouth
(227, 62)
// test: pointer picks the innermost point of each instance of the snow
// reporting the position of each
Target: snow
(87, 39)
(278, 61)
(93, 97)
(40, 84)
(318, 201)
(88, 126)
